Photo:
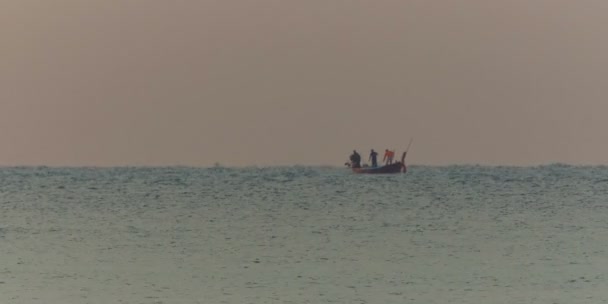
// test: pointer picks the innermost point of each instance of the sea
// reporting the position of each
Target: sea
(299, 234)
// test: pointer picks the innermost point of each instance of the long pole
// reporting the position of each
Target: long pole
(405, 152)
(408, 145)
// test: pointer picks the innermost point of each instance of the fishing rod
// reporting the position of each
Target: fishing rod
(408, 145)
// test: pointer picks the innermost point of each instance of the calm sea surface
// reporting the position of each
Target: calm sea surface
(454, 234)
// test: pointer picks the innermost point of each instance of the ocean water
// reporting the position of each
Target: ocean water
(453, 234)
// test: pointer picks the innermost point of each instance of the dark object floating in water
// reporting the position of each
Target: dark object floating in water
(397, 167)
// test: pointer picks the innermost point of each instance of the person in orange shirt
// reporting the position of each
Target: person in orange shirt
(388, 157)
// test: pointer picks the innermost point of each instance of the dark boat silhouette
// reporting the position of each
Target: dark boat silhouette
(397, 167)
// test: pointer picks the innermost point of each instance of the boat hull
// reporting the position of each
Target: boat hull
(388, 169)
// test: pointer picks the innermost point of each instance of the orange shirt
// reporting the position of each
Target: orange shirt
(388, 154)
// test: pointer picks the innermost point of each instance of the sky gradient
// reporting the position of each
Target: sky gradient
(155, 82)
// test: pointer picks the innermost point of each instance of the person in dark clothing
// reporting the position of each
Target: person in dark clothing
(373, 157)
(355, 159)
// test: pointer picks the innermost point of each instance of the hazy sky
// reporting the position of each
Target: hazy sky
(157, 82)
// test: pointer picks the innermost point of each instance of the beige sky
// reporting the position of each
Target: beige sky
(156, 82)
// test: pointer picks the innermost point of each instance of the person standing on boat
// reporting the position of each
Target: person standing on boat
(373, 157)
(355, 159)
(388, 156)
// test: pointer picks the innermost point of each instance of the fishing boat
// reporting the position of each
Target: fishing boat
(397, 167)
